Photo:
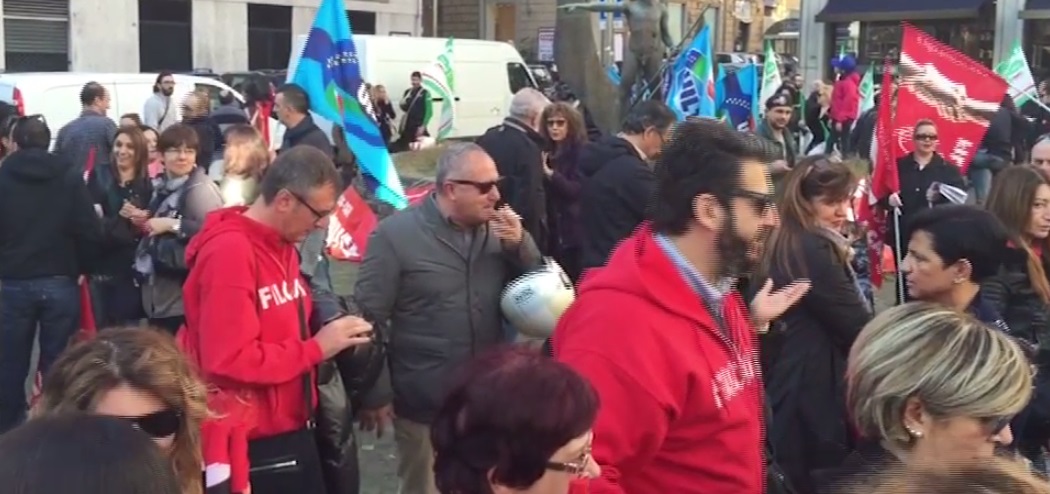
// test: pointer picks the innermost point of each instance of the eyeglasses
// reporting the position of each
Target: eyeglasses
(761, 203)
(925, 137)
(482, 187)
(319, 215)
(557, 122)
(995, 425)
(575, 467)
(157, 425)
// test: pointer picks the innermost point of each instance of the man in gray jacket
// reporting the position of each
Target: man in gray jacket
(436, 271)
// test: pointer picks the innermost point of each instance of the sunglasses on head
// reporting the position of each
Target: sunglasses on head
(157, 425)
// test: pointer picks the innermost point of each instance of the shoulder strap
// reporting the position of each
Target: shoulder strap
(308, 390)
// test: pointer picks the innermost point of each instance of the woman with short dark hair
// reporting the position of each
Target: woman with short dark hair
(182, 196)
(516, 421)
(85, 454)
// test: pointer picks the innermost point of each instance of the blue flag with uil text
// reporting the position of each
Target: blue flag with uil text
(691, 84)
(330, 73)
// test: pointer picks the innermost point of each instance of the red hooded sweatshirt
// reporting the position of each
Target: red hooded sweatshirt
(243, 331)
(681, 403)
(845, 98)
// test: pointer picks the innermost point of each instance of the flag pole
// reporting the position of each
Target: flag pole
(897, 253)
(1034, 100)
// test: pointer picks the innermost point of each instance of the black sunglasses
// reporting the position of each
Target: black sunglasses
(925, 137)
(482, 187)
(997, 424)
(760, 203)
(157, 425)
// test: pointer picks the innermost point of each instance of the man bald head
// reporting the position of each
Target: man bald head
(1041, 154)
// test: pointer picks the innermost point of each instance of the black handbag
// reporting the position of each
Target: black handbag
(289, 462)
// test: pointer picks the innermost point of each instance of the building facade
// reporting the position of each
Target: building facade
(177, 35)
(985, 30)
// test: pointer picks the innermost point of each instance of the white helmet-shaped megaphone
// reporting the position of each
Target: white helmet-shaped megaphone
(535, 301)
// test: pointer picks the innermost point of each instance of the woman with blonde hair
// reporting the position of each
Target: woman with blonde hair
(139, 375)
(928, 385)
(244, 161)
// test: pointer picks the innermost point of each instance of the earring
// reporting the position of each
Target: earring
(914, 433)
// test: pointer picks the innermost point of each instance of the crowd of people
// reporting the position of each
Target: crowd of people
(722, 339)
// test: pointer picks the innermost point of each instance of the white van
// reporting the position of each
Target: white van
(488, 73)
(56, 95)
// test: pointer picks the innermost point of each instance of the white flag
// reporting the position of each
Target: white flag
(1015, 70)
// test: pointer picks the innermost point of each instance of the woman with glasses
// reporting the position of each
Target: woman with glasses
(182, 196)
(124, 189)
(928, 385)
(565, 133)
(516, 422)
(805, 354)
(918, 172)
(141, 376)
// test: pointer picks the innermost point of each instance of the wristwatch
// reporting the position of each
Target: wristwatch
(177, 227)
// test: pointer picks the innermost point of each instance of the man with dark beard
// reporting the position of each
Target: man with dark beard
(160, 112)
(664, 336)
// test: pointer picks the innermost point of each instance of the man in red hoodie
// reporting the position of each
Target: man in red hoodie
(665, 338)
(247, 313)
(845, 103)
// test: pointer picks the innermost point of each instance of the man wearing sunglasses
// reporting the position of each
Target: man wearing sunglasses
(664, 336)
(436, 271)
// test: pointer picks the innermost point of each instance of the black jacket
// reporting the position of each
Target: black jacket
(119, 237)
(863, 133)
(998, 139)
(869, 459)
(915, 182)
(805, 357)
(48, 226)
(617, 187)
(307, 133)
(1010, 293)
(518, 153)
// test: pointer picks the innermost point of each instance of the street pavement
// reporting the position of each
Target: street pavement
(377, 456)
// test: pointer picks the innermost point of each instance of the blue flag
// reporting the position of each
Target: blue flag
(330, 74)
(691, 90)
(613, 73)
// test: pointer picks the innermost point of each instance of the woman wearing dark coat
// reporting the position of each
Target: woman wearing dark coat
(804, 357)
(115, 293)
(1020, 198)
(566, 134)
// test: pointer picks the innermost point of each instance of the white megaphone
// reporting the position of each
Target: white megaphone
(534, 302)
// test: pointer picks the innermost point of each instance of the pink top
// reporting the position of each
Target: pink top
(155, 168)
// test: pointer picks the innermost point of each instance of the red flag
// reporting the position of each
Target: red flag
(884, 180)
(954, 91)
(350, 227)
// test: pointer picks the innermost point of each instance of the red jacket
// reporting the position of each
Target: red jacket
(243, 331)
(845, 99)
(681, 405)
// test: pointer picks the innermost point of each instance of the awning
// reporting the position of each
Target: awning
(899, 10)
(1036, 9)
(789, 25)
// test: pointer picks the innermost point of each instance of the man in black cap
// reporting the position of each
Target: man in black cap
(774, 128)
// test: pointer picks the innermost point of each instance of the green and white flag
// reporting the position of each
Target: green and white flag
(439, 80)
(1015, 70)
(770, 77)
(867, 92)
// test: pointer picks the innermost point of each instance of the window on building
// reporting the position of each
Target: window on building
(362, 21)
(676, 21)
(518, 75)
(36, 35)
(269, 36)
(165, 35)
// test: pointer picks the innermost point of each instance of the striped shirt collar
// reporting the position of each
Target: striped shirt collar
(712, 292)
